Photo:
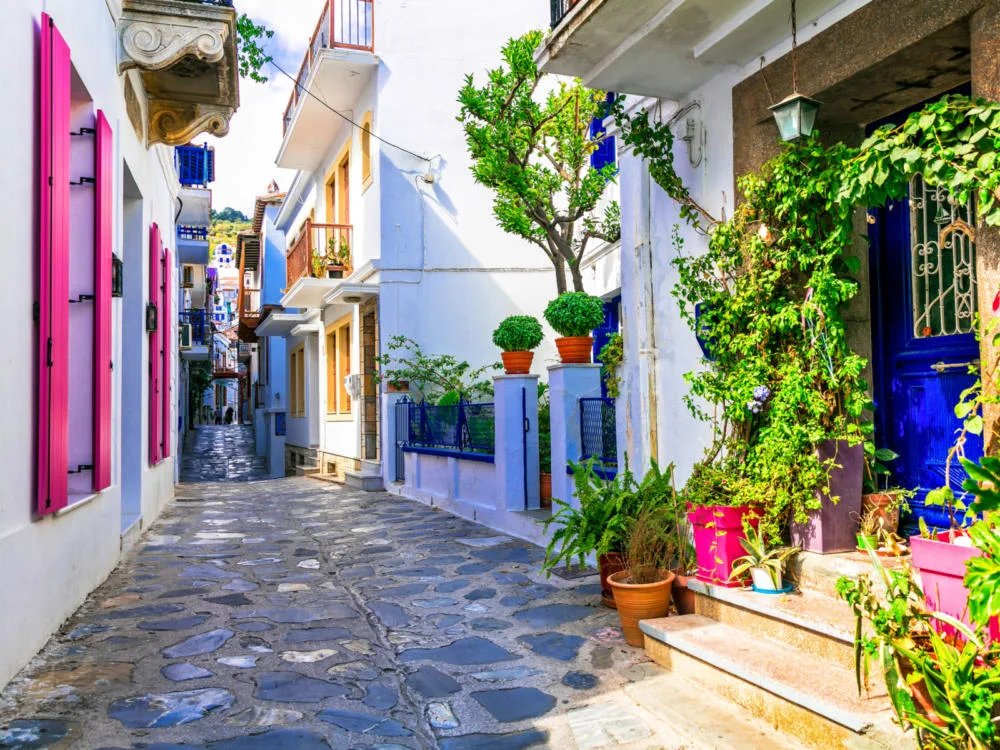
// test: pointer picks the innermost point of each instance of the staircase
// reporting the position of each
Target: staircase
(787, 660)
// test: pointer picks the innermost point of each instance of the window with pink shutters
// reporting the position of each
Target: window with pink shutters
(103, 239)
(53, 270)
(155, 346)
(166, 342)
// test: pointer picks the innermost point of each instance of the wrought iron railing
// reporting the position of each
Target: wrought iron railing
(598, 431)
(196, 319)
(465, 428)
(345, 24)
(560, 8)
(332, 241)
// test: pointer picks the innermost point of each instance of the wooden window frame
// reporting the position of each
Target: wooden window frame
(338, 365)
(296, 381)
(366, 152)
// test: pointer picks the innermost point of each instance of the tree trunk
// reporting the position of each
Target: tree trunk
(574, 269)
(560, 266)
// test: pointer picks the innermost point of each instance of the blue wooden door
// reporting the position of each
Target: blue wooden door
(924, 303)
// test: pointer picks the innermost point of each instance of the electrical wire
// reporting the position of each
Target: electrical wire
(302, 88)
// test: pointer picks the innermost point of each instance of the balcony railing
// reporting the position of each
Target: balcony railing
(344, 24)
(249, 304)
(192, 233)
(196, 319)
(560, 8)
(322, 251)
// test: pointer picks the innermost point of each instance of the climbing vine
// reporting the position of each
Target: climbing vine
(770, 288)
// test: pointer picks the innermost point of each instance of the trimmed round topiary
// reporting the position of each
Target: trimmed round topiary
(575, 313)
(518, 333)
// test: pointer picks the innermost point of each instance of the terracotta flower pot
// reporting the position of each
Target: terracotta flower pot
(545, 489)
(613, 562)
(517, 363)
(640, 601)
(921, 695)
(575, 350)
(880, 502)
(683, 597)
(403, 386)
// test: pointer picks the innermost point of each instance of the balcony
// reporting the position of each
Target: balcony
(195, 165)
(195, 339)
(663, 48)
(321, 253)
(338, 64)
(180, 65)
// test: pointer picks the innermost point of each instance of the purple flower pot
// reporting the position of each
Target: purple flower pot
(833, 528)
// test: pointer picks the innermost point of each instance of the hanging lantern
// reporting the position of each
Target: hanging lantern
(152, 317)
(796, 116)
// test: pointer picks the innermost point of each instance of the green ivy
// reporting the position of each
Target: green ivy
(611, 356)
(777, 275)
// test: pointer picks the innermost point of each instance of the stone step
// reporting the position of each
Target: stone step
(820, 572)
(806, 620)
(704, 721)
(360, 480)
(806, 697)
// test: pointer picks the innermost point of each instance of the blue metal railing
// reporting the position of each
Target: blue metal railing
(195, 165)
(598, 431)
(196, 319)
(464, 428)
(193, 233)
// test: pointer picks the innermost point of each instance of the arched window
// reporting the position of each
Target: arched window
(366, 151)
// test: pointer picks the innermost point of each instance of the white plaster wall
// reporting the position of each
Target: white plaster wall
(48, 566)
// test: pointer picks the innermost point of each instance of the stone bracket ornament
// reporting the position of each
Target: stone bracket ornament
(180, 60)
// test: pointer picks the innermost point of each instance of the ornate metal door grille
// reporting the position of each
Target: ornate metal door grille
(943, 273)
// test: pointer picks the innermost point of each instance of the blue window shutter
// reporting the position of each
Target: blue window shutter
(605, 153)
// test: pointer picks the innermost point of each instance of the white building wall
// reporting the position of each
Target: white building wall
(48, 566)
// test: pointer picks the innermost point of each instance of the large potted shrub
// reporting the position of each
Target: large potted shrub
(642, 590)
(829, 524)
(574, 316)
(516, 336)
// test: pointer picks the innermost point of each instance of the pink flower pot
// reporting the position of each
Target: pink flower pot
(942, 569)
(717, 533)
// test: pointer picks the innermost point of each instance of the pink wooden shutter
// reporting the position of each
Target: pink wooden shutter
(167, 343)
(155, 340)
(53, 271)
(103, 229)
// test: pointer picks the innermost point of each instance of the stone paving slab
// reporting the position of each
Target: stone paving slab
(204, 639)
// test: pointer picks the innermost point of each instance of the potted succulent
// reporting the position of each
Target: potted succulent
(765, 564)
(718, 515)
(887, 502)
(870, 524)
(516, 336)
(642, 590)
(574, 315)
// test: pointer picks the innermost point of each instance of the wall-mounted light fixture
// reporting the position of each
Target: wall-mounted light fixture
(152, 317)
(116, 276)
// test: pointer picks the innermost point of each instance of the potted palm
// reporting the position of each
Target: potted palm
(764, 564)
(574, 315)
(642, 590)
(516, 336)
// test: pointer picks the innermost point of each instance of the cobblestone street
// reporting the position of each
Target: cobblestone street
(294, 614)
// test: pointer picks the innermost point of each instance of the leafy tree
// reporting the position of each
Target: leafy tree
(251, 54)
(199, 380)
(530, 142)
(433, 375)
(229, 214)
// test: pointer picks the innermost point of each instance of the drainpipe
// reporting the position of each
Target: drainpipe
(647, 318)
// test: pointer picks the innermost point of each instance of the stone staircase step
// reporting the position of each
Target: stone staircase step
(820, 572)
(704, 721)
(806, 697)
(360, 480)
(807, 620)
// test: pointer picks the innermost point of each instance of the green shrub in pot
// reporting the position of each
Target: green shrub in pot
(518, 333)
(575, 313)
